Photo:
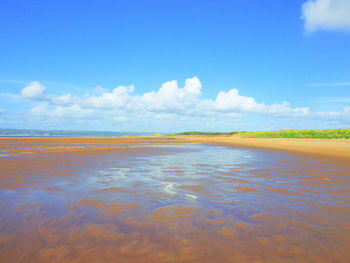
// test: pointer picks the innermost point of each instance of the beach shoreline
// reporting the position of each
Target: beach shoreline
(172, 199)
(336, 148)
(333, 148)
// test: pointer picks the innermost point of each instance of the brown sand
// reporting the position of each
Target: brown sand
(339, 148)
(322, 147)
(128, 200)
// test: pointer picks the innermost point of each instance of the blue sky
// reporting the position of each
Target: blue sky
(112, 65)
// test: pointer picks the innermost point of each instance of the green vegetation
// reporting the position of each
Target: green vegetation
(315, 134)
(302, 134)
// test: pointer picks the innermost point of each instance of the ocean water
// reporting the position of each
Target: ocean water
(65, 133)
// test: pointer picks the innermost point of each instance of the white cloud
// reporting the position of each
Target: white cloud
(284, 110)
(171, 98)
(231, 101)
(343, 115)
(169, 102)
(33, 91)
(109, 100)
(99, 90)
(72, 111)
(234, 115)
(64, 99)
(40, 110)
(326, 15)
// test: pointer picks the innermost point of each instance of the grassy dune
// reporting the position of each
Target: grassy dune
(302, 134)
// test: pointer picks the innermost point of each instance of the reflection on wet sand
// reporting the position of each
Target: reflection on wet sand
(122, 200)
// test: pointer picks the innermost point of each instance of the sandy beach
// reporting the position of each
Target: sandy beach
(338, 148)
(320, 147)
(166, 199)
(175, 131)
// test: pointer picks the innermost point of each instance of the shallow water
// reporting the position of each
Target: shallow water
(168, 202)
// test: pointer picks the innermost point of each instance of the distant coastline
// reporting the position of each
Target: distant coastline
(66, 133)
(287, 134)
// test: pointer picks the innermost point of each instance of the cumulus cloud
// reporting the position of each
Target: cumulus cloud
(171, 98)
(326, 15)
(64, 99)
(169, 102)
(231, 101)
(116, 99)
(343, 115)
(285, 110)
(71, 111)
(33, 91)
(40, 110)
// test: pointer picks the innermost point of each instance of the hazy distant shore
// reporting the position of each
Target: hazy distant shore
(65, 133)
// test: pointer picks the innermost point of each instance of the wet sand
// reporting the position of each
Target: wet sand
(338, 148)
(173, 200)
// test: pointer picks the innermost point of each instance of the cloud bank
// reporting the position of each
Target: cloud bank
(326, 15)
(168, 102)
(343, 115)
